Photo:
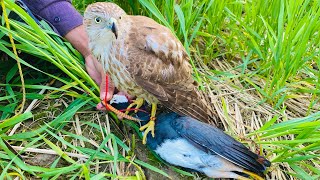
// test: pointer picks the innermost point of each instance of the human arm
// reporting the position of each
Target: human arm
(68, 22)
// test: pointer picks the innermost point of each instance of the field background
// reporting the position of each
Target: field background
(259, 61)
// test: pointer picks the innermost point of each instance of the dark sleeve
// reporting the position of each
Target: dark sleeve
(60, 13)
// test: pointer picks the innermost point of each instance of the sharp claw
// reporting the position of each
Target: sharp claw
(138, 103)
(130, 105)
(143, 127)
(152, 132)
(144, 139)
(148, 127)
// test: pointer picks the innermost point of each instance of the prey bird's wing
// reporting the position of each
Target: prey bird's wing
(160, 65)
(211, 139)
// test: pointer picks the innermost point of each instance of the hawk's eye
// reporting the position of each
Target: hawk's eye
(97, 19)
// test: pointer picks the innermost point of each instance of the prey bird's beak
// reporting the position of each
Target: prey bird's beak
(114, 29)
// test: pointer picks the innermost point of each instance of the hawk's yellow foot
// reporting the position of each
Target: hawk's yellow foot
(150, 125)
(138, 103)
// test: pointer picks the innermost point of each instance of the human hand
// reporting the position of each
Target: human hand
(95, 70)
(118, 101)
(79, 39)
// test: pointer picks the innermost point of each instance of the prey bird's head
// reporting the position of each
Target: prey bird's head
(100, 20)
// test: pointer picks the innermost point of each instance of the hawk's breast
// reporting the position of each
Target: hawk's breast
(115, 64)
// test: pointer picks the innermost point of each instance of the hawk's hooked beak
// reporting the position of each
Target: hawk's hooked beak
(114, 29)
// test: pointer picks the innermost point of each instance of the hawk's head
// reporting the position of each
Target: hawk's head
(100, 20)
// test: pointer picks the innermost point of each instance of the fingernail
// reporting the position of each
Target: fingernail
(100, 106)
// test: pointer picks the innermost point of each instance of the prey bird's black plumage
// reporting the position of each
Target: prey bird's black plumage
(186, 142)
(208, 139)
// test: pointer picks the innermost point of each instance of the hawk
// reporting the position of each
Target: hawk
(144, 59)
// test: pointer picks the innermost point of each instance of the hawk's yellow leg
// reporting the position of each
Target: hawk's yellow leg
(255, 176)
(138, 103)
(150, 125)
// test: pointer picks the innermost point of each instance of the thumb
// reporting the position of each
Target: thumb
(106, 92)
(111, 89)
(103, 89)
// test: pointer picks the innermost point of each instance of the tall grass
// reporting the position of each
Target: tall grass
(273, 45)
(82, 160)
(278, 39)
(277, 42)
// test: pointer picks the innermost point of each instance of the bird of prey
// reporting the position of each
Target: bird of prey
(144, 59)
(186, 142)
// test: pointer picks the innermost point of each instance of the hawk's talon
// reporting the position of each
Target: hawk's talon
(138, 103)
(148, 127)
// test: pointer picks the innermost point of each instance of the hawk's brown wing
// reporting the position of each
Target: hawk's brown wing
(160, 65)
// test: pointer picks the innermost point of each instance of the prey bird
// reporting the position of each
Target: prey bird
(144, 59)
(184, 141)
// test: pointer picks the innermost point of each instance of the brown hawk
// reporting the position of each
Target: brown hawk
(144, 59)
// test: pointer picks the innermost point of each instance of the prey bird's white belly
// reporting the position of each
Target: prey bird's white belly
(182, 153)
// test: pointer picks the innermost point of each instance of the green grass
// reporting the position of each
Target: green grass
(270, 46)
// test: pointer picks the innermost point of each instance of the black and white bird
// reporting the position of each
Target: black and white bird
(186, 142)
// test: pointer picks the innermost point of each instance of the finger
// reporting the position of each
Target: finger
(103, 89)
(100, 106)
